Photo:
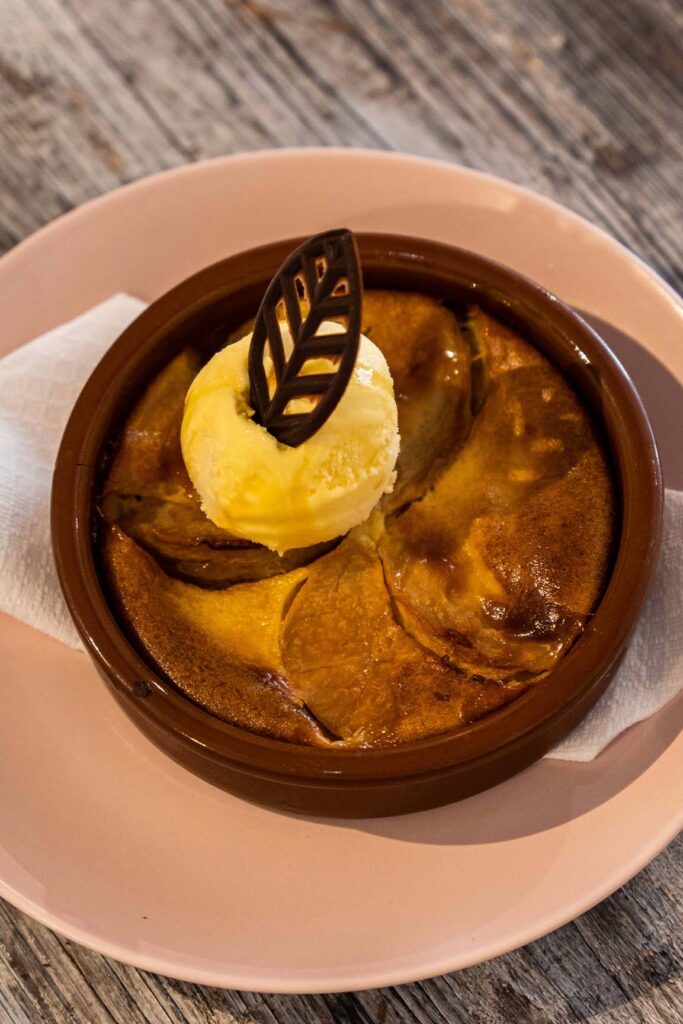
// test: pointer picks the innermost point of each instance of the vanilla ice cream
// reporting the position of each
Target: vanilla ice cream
(262, 490)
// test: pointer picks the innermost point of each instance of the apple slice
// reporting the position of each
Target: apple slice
(499, 566)
(220, 648)
(429, 361)
(358, 671)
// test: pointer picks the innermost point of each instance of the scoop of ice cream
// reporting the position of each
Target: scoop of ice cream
(264, 491)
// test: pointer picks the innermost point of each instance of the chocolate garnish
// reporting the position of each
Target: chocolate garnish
(321, 280)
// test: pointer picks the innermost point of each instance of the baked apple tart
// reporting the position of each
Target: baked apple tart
(461, 589)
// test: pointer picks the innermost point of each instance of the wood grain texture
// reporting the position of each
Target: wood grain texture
(579, 100)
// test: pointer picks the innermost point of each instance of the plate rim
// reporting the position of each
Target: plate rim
(389, 977)
(334, 152)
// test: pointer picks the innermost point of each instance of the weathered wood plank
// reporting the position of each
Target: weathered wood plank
(575, 100)
(580, 101)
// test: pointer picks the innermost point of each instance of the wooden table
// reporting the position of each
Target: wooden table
(580, 100)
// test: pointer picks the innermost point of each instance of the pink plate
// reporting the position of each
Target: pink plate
(109, 842)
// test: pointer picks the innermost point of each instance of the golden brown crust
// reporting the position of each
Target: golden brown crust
(148, 460)
(222, 648)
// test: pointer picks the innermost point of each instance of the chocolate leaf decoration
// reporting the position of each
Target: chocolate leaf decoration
(321, 280)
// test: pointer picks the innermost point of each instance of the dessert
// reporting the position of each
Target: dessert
(452, 595)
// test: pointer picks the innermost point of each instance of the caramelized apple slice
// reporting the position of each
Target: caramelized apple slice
(150, 496)
(190, 547)
(222, 649)
(499, 566)
(361, 675)
(429, 361)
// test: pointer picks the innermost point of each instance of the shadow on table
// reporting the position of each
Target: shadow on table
(545, 796)
(552, 792)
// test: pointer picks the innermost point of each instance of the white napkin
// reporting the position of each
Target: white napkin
(39, 384)
(651, 673)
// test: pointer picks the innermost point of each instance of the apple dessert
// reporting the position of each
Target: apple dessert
(466, 568)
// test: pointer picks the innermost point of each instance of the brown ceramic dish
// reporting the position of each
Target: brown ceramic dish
(416, 775)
